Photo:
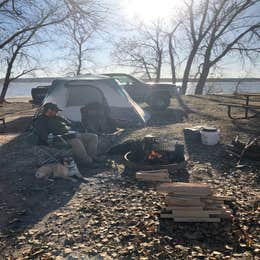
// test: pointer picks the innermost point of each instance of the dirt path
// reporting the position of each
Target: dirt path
(114, 217)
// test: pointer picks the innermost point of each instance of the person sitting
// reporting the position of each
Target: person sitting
(84, 145)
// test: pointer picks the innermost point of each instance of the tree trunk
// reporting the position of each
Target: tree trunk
(159, 67)
(205, 70)
(173, 70)
(78, 71)
(187, 69)
(6, 81)
(202, 80)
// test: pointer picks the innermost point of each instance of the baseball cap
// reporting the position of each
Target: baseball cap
(51, 106)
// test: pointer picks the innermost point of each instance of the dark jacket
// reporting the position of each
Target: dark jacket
(44, 125)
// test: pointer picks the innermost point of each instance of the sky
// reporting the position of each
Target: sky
(124, 13)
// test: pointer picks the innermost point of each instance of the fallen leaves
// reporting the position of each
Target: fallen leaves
(115, 218)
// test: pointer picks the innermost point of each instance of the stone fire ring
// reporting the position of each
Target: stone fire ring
(147, 166)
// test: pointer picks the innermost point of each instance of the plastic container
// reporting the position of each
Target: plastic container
(210, 136)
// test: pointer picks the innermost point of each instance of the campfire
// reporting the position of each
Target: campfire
(151, 154)
(154, 156)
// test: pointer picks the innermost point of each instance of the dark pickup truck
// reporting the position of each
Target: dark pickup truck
(38, 94)
(156, 95)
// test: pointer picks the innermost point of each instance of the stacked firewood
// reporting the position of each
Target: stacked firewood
(153, 176)
(249, 150)
(193, 202)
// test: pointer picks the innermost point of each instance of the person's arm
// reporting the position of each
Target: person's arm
(65, 120)
(40, 127)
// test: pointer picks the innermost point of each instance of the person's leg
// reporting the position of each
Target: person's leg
(90, 142)
(79, 151)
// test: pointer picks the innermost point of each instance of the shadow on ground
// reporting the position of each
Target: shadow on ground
(15, 126)
(24, 200)
(166, 117)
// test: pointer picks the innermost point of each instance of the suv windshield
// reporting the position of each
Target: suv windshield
(124, 80)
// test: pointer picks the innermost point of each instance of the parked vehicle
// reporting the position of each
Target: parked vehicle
(38, 94)
(157, 95)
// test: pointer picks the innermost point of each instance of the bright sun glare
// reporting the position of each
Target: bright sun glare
(149, 10)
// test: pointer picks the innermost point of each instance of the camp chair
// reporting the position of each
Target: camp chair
(53, 151)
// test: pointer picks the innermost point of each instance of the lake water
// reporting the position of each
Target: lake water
(23, 89)
(228, 87)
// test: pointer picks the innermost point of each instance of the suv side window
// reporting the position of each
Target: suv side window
(124, 80)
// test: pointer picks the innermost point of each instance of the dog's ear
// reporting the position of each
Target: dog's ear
(61, 160)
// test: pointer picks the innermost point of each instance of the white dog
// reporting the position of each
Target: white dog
(67, 169)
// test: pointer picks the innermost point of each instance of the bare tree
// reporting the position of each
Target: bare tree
(26, 16)
(214, 29)
(143, 50)
(28, 19)
(233, 30)
(78, 33)
(172, 52)
(197, 27)
(17, 52)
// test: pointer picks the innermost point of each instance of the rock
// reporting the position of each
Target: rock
(67, 250)
(183, 248)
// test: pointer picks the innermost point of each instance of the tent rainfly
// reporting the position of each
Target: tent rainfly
(71, 94)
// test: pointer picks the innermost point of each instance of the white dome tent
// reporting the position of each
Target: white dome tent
(71, 94)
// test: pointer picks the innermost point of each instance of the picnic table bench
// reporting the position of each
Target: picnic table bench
(245, 106)
(2, 118)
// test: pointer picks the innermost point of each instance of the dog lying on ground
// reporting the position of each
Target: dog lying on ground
(66, 169)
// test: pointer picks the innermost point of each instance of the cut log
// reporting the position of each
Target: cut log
(181, 187)
(169, 208)
(195, 214)
(179, 201)
(188, 219)
(221, 198)
(160, 176)
(196, 219)
(191, 193)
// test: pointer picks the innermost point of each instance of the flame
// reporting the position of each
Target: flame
(154, 155)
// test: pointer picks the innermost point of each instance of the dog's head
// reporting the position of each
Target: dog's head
(70, 164)
(67, 161)
(42, 172)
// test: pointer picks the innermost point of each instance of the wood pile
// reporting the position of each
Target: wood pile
(193, 202)
(249, 150)
(154, 176)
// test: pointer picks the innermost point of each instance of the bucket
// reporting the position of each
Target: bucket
(210, 136)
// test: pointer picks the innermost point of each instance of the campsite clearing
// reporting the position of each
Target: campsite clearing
(116, 217)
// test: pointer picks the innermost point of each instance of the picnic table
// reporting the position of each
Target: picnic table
(245, 106)
(2, 118)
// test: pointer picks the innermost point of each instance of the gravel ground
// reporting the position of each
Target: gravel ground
(114, 217)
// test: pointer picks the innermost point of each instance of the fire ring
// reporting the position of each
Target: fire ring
(148, 166)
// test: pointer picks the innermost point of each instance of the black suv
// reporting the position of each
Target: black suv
(157, 95)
